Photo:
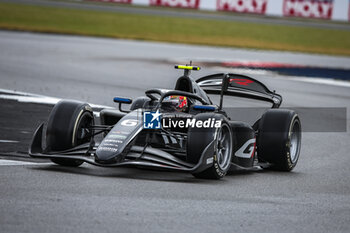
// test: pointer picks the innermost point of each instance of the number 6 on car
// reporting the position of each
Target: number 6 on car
(129, 122)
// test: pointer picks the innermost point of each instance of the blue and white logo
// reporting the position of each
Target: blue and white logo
(151, 120)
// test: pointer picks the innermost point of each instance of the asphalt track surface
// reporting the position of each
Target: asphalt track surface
(118, 8)
(43, 197)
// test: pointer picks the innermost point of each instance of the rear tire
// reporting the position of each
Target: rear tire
(199, 139)
(279, 139)
(66, 128)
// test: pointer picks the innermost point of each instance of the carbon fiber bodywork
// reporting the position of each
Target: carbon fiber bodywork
(127, 143)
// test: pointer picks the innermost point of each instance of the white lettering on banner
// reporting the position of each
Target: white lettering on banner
(176, 3)
(243, 6)
(308, 8)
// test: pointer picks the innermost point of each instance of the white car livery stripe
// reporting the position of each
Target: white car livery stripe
(247, 150)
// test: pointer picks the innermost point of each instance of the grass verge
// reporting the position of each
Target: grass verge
(172, 29)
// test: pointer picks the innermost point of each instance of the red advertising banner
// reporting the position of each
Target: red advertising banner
(194, 4)
(116, 1)
(308, 8)
(349, 11)
(243, 6)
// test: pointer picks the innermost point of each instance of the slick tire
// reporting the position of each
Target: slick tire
(279, 139)
(200, 138)
(65, 128)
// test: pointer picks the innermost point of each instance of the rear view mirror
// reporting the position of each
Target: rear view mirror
(122, 100)
(208, 108)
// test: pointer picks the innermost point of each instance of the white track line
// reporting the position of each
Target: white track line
(41, 100)
(5, 162)
(9, 141)
(35, 98)
(30, 99)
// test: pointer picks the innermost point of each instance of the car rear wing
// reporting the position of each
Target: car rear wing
(240, 86)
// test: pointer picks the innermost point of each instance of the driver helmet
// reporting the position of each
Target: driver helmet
(179, 103)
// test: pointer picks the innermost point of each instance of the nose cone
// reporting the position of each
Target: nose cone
(113, 145)
(108, 152)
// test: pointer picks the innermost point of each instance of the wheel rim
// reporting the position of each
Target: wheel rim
(83, 133)
(295, 140)
(224, 147)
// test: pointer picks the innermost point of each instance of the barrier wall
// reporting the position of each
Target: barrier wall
(321, 9)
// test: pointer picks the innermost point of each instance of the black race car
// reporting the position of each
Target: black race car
(179, 130)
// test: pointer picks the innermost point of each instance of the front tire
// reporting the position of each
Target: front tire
(67, 128)
(279, 139)
(200, 138)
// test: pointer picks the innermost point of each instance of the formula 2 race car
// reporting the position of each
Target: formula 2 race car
(179, 130)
